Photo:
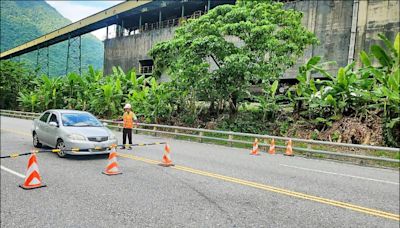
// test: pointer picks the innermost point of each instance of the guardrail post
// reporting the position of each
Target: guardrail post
(201, 134)
(119, 127)
(155, 129)
(308, 147)
(175, 131)
(230, 138)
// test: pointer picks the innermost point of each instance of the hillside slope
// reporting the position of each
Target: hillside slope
(22, 21)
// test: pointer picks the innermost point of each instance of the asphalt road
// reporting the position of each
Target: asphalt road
(210, 186)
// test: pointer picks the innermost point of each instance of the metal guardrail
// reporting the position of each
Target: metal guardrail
(199, 134)
(170, 23)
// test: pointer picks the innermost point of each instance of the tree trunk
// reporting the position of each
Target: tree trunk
(233, 107)
(211, 109)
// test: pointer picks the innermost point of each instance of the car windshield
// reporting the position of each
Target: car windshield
(80, 120)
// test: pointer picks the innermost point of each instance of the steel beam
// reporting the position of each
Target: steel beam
(42, 61)
(74, 55)
(89, 24)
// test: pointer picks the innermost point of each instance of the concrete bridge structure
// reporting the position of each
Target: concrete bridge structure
(344, 28)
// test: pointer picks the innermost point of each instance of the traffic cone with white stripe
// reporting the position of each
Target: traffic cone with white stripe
(166, 160)
(289, 150)
(272, 147)
(254, 151)
(112, 166)
(32, 179)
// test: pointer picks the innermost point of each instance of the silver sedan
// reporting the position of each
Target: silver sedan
(71, 129)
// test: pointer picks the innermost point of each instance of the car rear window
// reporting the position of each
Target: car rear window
(79, 120)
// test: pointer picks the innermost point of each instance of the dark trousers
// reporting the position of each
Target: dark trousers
(127, 132)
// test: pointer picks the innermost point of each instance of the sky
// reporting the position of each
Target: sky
(76, 10)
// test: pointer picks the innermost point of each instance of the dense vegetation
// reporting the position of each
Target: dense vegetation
(22, 21)
(204, 63)
(357, 105)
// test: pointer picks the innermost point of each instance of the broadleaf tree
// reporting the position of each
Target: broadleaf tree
(218, 57)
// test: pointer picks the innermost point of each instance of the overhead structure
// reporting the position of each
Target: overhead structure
(130, 18)
(99, 20)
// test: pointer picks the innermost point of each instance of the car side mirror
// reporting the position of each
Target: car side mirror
(54, 124)
(105, 124)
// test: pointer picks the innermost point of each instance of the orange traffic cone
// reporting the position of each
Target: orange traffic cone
(272, 147)
(166, 160)
(254, 151)
(32, 179)
(289, 150)
(112, 166)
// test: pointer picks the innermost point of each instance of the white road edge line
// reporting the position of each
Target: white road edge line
(12, 171)
(340, 174)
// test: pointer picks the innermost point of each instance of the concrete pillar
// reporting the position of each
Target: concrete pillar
(140, 22)
(122, 28)
(353, 33)
(311, 22)
(362, 16)
(159, 19)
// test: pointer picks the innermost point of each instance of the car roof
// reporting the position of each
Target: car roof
(65, 111)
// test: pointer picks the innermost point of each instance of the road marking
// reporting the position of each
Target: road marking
(340, 174)
(16, 132)
(282, 191)
(353, 207)
(12, 171)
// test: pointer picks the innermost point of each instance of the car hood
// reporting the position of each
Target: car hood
(88, 131)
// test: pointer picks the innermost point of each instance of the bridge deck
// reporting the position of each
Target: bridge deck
(99, 20)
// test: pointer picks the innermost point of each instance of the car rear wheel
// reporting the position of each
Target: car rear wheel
(35, 140)
(61, 146)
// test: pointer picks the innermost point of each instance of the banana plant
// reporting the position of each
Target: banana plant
(268, 101)
(73, 83)
(49, 92)
(28, 100)
(386, 71)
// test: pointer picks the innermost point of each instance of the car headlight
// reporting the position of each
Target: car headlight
(77, 137)
(112, 136)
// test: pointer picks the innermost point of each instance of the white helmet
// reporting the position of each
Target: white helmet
(127, 106)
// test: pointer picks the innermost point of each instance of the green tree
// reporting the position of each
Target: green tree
(217, 57)
(15, 78)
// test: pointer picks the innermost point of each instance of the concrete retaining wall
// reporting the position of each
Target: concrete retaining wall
(330, 20)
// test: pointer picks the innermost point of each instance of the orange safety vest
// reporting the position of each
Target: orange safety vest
(128, 118)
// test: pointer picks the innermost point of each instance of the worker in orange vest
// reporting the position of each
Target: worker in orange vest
(129, 119)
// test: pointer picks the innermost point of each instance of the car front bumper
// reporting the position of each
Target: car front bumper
(89, 147)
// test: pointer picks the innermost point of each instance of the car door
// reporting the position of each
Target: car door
(52, 131)
(41, 127)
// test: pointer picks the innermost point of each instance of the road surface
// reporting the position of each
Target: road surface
(210, 186)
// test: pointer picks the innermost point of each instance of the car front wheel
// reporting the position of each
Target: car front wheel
(61, 146)
(36, 142)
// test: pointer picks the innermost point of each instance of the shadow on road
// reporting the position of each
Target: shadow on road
(86, 157)
(80, 157)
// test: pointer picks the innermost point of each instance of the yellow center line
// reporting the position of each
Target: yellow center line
(273, 189)
(282, 191)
